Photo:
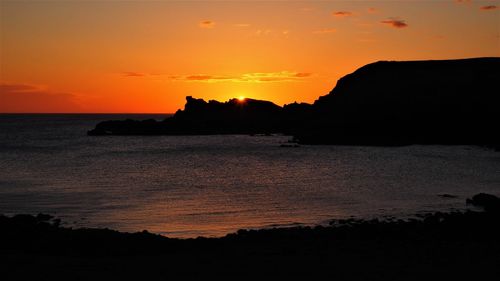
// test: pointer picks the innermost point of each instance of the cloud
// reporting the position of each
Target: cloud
(205, 78)
(242, 25)
(325, 31)
(372, 10)
(273, 76)
(342, 14)
(199, 77)
(246, 77)
(136, 74)
(263, 32)
(35, 99)
(12, 88)
(489, 8)
(207, 24)
(133, 74)
(396, 23)
(303, 74)
(256, 77)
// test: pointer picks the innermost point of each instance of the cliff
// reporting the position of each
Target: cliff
(447, 101)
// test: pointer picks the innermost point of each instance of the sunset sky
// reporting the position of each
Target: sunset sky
(146, 56)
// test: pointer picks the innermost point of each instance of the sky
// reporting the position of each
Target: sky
(147, 56)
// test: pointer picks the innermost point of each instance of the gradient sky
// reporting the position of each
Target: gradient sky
(146, 56)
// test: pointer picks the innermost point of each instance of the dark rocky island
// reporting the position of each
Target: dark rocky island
(383, 103)
(439, 246)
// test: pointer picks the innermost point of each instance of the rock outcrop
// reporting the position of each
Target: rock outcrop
(247, 116)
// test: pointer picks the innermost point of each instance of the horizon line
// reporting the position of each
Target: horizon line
(84, 113)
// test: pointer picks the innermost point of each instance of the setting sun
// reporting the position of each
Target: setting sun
(241, 98)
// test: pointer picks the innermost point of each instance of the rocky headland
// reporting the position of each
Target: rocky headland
(383, 103)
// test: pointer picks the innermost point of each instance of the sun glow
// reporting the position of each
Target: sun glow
(241, 98)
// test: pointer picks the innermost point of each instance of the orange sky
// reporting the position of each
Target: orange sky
(145, 56)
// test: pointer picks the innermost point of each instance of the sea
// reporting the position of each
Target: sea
(212, 185)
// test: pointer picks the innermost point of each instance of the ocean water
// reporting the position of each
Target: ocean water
(189, 186)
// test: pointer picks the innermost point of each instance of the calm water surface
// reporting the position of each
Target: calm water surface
(187, 186)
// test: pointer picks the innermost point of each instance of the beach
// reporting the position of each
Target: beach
(458, 245)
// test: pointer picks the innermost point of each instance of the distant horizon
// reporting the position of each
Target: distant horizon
(82, 113)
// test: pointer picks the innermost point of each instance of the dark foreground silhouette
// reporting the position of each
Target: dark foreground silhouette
(446, 246)
(383, 103)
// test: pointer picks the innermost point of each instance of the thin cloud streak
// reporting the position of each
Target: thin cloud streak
(133, 74)
(35, 99)
(325, 31)
(207, 24)
(257, 77)
(341, 14)
(396, 23)
(489, 8)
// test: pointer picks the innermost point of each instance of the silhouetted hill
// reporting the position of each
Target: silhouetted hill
(383, 103)
(447, 101)
(445, 246)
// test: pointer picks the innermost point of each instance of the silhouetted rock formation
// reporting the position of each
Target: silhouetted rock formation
(383, 103)
(488, 202)
(446, 246)
(248, 116)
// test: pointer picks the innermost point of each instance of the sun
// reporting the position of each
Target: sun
(241, 98)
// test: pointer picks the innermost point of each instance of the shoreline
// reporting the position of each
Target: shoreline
(446, 245)
(383, 215)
